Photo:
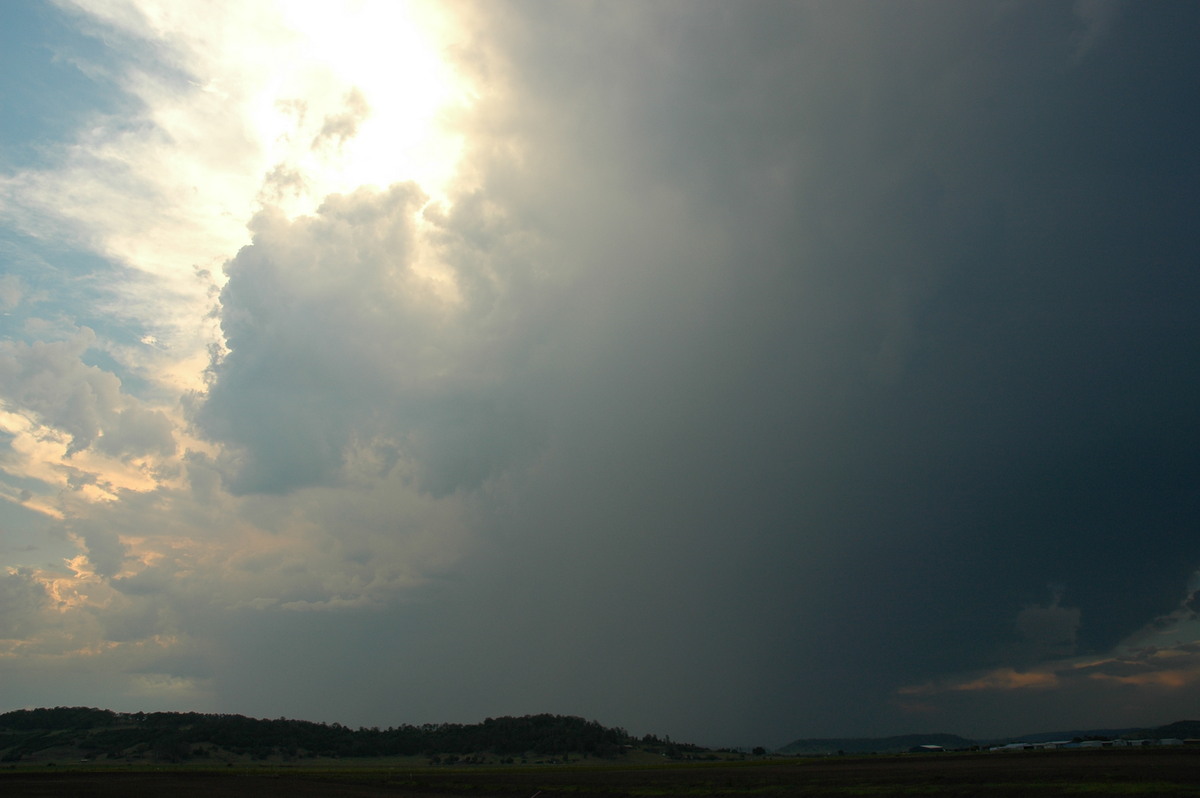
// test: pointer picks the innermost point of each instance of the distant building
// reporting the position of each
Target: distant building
(1012, 747)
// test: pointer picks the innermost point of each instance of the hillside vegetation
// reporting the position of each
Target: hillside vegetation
(177, 736)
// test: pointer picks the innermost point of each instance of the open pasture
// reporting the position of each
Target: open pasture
(1066, 773)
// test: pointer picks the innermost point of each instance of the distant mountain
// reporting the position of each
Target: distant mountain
(1183, 729)
(873, 745)
(1180, 729)
(1082, 734)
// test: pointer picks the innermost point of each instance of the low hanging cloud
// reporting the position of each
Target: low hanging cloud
(1143, 680)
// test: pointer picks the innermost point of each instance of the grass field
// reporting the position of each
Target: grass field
(1158, 772)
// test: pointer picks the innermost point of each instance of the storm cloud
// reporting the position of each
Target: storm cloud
(765, 370)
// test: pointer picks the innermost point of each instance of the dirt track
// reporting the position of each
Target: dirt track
(1170, 772)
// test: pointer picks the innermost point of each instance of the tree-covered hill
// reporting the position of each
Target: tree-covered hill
(181, 735)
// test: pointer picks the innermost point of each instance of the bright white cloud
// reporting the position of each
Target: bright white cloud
(369, 327)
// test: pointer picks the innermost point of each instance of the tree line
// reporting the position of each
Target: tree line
(181, 735)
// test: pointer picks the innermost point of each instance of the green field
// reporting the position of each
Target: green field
(1158, 772)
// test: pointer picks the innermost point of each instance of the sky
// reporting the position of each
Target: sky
(733, 371)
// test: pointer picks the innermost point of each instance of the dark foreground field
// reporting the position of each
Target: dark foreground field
(1167, 772)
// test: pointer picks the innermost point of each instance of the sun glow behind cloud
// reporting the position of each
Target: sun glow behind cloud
(277, 75)
(238, 105)
(381, 60)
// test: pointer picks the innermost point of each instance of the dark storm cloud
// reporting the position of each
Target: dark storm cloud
(1048, 631)
(852, 328)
